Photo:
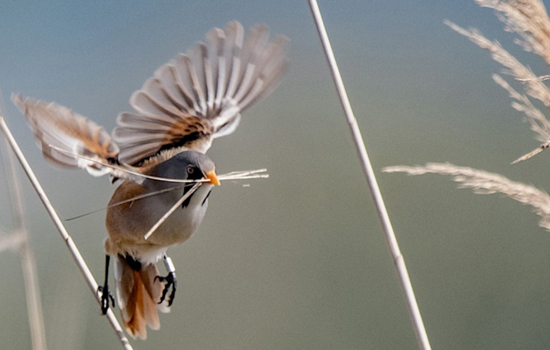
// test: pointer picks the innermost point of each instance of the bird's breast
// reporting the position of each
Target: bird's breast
(129, 220)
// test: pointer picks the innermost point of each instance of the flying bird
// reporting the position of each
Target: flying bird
(178, 112)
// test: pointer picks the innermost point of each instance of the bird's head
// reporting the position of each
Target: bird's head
(188, 165)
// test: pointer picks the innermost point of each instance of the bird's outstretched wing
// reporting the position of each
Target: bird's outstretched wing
(200, 96)
(70, 140)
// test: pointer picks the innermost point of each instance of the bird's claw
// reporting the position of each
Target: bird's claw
(169, 280)
(106, 298)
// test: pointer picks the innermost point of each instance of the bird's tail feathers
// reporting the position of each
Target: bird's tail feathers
(138, 294)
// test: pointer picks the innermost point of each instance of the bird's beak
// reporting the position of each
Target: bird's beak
(211, 175)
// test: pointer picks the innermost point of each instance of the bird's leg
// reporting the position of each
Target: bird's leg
(106, 296)
(169, 280)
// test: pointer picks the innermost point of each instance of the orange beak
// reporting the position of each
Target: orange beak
(211, 175)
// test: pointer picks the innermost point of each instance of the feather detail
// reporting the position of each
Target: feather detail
(146, 139)
(57, 126)
(210, 87)
(138, 294)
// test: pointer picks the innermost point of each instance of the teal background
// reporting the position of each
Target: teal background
(297, 261)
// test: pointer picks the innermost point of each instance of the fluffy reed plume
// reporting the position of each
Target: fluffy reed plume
(529, 20)
(483, 182)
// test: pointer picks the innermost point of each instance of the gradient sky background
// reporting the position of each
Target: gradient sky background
(297, 261)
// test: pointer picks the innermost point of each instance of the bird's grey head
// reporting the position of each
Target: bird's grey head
(187, 165)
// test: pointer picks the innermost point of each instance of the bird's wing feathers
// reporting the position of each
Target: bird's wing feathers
(186, 104)
(144, 137)
(70, 140)
(58, 126)
(199, 96)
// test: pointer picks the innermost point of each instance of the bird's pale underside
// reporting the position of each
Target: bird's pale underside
(188, 102)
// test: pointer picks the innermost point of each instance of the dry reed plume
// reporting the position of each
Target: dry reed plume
(483, 182)
(529, 20)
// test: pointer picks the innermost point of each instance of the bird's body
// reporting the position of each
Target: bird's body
(190, 101)
(127, 223)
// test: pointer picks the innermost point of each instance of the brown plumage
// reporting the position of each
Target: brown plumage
(138, 296)
(127, 221)
(177, 113)
(48, 120)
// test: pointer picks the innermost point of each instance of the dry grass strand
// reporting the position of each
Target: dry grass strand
(483, 182)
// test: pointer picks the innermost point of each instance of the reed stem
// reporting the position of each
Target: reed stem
(20, 239)
(79, 260)
(383, 216)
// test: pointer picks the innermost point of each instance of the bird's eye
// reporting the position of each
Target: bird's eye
(190, 169)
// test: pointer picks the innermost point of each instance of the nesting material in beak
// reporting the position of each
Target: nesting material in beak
(211, 175)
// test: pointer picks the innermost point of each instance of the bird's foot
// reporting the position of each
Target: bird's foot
(168, 281)
(106, 298)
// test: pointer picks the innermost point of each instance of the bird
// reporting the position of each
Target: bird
(154, 149)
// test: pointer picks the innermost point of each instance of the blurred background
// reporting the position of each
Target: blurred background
(297, 261)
